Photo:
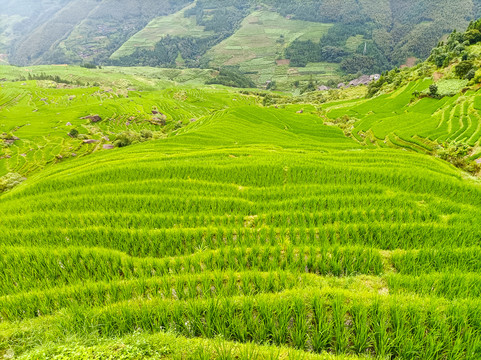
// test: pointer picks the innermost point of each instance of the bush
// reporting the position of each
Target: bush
(126, 138)
(472, 36)
(89, 66)
(232, 76)
(9, 181)
(471, 74)
(73, 133)
(457, 153)
(463, 68)
(146, 134)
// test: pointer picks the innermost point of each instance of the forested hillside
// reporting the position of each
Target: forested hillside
(70, 31)
(363, 36)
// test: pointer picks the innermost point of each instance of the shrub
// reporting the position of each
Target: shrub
(126, 138)
(146, 134)
(472, 36)
(463, 68)
(457, 153)
(9, 181)
(471, 74)
(89, 66)
(73, 133)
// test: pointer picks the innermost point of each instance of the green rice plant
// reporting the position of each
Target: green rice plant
(322, 326)
(299, 330)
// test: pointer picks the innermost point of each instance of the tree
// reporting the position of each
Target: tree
(463, 68)
(472, 36)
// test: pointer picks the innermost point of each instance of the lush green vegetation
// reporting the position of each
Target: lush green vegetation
(236, 224)
(45, 104)
(271, 40)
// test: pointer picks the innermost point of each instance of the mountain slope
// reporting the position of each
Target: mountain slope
(387, 32)
(73, 30)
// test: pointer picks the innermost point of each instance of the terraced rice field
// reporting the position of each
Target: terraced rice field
(262, 39)
(394, 118)
(41, 113)
(253, 233)
(174, 25)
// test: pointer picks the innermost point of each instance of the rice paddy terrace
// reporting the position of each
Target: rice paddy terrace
(252, 233)
(396, 120)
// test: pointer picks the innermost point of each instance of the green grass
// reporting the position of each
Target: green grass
(251, 233)
(39, 112)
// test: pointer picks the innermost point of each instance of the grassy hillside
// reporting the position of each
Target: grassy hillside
(139, 104)
(431, 106)
(177, 24)
(261, 40)
(252, 226)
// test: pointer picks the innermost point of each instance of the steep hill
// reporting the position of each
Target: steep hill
(435, 104)
(68, 31)
(330, 37)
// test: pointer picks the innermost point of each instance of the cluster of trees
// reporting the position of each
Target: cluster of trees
(327, 11)
(456, 48)
(302, 52)
(332, 47)
(55, 78)
(393, 31)
(232, 76)
(368, 58)
(167, 51)
(219, 16)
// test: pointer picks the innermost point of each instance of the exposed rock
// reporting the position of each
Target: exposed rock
(193, 120)
(74, 155)
(341, 85)
(323, 88)
(155, 112)
(91, 141)
(68, 124)
(92, 118)
(478, 161)
(157, 121)
(108, 146)
(300, 111)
